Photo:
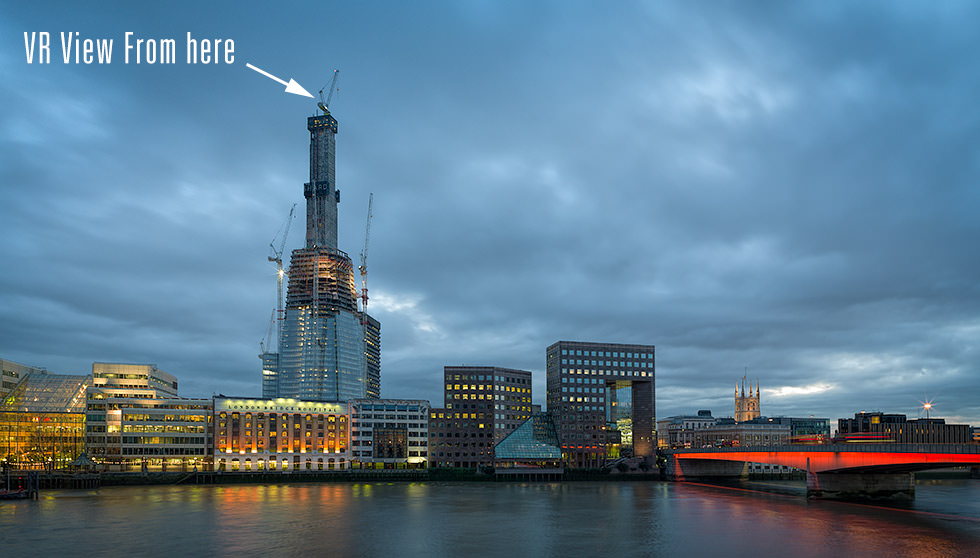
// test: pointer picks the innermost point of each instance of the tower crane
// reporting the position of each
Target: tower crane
(364, 253)
(268, 334)
(277, 258)
(333, 87)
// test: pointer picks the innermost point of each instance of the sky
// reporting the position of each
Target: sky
(784, 190)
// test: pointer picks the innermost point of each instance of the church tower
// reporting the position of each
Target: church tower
(746, 406)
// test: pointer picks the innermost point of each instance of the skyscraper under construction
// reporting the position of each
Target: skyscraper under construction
(328, 350)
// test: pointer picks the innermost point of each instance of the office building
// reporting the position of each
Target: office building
(483, 404)
(389, 433)
(135, 421)
(279, 435)
(329, 350)
(601, 397)
(13, 372)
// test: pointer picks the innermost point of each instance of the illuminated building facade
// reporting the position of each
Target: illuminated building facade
(601, 396)
(389, 433)
(746, 406)
(483, 405)
(136, 421)
(329, 351)
(282, 434)
(42, 419)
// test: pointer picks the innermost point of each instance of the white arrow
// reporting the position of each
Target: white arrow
(291, 87)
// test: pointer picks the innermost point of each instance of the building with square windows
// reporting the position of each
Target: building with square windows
(134, 420)
(389, 433)
(483, 404)
(601, 397)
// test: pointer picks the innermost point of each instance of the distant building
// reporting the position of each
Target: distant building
(483, 404)
(802, 429)
(136, 421)
(42, 418)
(747, 407)
(881, 427)
(704, 430)
(602, 399)
(389, 433)
(683, 431)
(279, 435)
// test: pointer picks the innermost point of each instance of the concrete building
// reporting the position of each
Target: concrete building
(279, 435)
(13, 372)
(483, 404)
(389, 433)
(329, 350)
(683, 431)
(882, 427)
(136, 421)
(601, 397)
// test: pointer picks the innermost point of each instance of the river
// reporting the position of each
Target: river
(489, 519)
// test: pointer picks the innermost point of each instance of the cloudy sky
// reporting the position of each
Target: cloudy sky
(787, 188)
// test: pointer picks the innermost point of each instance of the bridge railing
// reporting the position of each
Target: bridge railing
(851, 447)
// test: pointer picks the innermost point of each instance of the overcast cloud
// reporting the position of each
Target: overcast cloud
(790, 188)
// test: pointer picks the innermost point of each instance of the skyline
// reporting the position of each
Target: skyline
(787, 188)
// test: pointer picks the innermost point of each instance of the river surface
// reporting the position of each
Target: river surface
(489, 519)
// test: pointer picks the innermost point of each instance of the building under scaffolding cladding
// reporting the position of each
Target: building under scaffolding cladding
(329, 351)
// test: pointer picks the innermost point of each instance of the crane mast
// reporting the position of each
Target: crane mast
(277, 258)
(364, 253)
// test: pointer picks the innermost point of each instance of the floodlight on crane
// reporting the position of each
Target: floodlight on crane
(324, 104)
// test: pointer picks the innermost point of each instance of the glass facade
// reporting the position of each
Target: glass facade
(534, 442)
(42, 421)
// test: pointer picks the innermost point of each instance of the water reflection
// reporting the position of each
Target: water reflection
(476, 519)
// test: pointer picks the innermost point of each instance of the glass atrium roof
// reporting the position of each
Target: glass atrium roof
(536, 440)
(47, 393)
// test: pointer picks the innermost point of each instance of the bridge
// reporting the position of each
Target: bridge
(833, 470)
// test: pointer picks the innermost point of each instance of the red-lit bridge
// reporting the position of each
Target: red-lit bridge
(833, 470)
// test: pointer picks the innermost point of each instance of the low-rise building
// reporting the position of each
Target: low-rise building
(881, 427)
(682, 431)
(136, 422)
(42, 419)
(389, 433)
(284, 435)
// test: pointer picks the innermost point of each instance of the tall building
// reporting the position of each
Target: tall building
(329, 351)
(483, 405)
(601, 396)
(746, 406)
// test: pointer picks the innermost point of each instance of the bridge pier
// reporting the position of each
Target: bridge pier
(706, 470)
(874, 486)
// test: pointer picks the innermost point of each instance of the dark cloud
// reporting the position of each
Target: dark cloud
(788, 188)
